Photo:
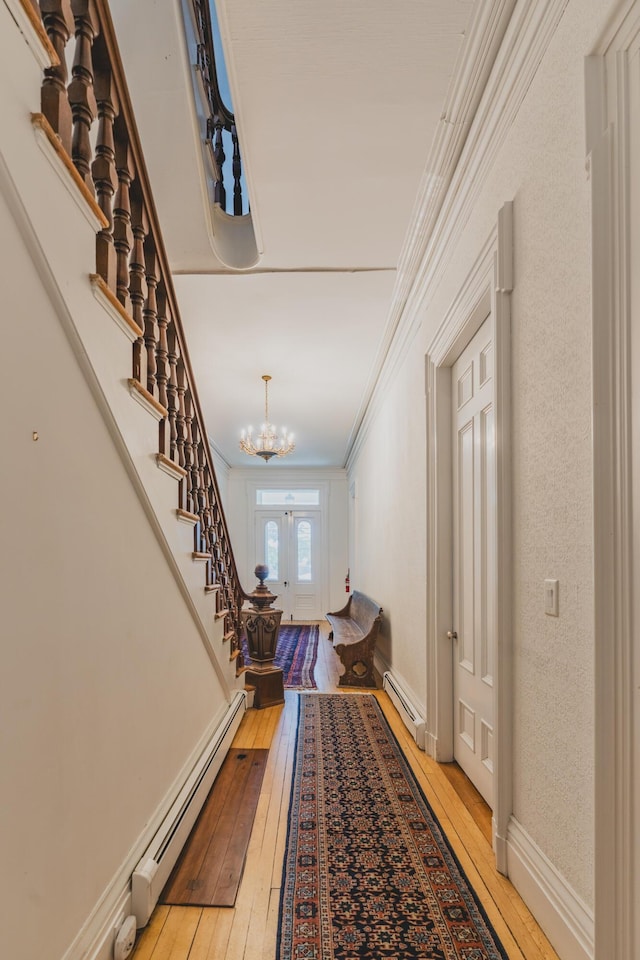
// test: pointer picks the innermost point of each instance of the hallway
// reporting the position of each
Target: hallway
(248, 931)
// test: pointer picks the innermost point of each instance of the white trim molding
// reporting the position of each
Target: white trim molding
(613, 130)
(564, 917)
(485, 292)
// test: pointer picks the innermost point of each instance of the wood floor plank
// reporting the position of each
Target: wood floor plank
(212, 935)
(177, 934)
(148, 938)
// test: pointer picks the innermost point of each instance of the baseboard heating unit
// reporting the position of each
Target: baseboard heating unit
(408, 713)
(152, 872)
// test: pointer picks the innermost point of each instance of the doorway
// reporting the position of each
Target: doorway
(453, 721)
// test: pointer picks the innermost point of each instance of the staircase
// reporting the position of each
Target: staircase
(123, 317)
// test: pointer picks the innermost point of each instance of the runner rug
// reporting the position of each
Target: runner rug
(368, 873)
(296, 653)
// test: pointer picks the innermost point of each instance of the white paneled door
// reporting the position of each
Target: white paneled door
(289, 541)
(474, 496)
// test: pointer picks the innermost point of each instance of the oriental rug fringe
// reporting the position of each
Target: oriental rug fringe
(368, 872)
(296, 654)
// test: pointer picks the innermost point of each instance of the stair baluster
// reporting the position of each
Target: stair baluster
(163, 368)
(103, 168)
(138, 279)
(150, 313)
(80, 91)
(122, 229)
(172, 394)
(57, 18)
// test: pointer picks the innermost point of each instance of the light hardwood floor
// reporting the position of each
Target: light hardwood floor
(248, 930)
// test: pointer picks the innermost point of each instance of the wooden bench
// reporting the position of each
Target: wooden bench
(354, 631)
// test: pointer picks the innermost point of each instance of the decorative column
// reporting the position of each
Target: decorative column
(262, 625)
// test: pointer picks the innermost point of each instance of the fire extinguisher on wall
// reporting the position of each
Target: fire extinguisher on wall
(347, 583)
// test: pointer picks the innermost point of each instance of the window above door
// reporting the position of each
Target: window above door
(287, 498)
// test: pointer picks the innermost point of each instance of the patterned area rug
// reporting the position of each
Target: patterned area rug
(296, 653)
(368, 873)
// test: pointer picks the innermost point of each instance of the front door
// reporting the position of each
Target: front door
(474, 519)
(289, 543)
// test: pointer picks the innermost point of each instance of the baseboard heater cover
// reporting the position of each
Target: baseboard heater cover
(408, 713)
(152, 871)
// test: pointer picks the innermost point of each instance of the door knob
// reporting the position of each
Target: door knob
(452, 635)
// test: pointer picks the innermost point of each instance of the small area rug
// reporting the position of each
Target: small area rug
(296, 653)
(368, 872)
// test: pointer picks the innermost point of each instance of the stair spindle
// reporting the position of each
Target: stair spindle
(172, 393)
(80, 91)
(192, 503)
(138, 289)
(103, 168)
(122, 229)
(150, 313)
(236, 168)
(163, 370)
(57, 18)
(220, 194)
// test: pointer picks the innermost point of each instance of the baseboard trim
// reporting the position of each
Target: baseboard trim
(403, 700)
(565, 918)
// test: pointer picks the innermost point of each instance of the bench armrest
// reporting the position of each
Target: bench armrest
(341, 613)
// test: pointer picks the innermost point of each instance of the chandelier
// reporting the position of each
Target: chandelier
(267, 444)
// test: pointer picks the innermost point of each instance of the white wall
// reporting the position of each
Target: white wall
(541, 167)
(388, 557)
(241, 485)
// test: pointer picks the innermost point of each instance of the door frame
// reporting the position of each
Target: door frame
(486, 293)
(612, 94)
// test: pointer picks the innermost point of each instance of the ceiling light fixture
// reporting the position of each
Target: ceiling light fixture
(267, 444)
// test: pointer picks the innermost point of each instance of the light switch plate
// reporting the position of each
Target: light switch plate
(551, 604)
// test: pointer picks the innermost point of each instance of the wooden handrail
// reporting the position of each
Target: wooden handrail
(132, 261)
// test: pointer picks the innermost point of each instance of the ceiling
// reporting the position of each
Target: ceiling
(337, 105)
